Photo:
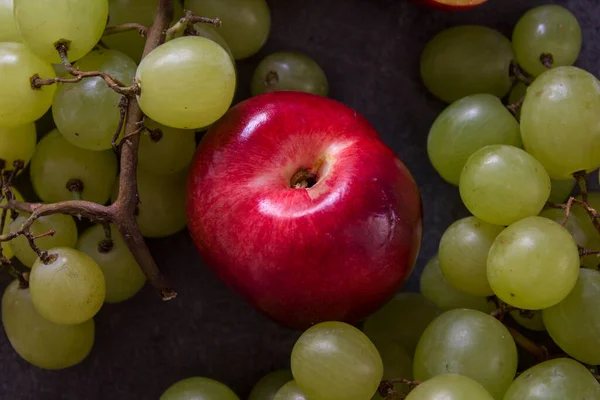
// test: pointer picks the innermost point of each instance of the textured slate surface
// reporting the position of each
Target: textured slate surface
(370, 51)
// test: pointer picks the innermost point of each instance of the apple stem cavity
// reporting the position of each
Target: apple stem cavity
(304, 179)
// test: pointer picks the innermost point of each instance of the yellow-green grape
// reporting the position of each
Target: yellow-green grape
(65, 235)
(450, 387)
(396, 364)
(268, 386)
(164, 150)
(439, 290)
(548, 32)
(17, 143)
(69, 289)
(8, 27)
(469, 343)
(533, 264)
(87, 113)
(38, 341)
(122, 274)
(25, 104)
(465, 60)
(585, 223)
(463, 254)
(290, 391)
(187, 83)
(140, 11)
(43, 24)
(289, 71)
(5, 246)
(466, 126)
(209, 32)
(586, 240)
(516, 94)
(336, 361)
(56, 162)
(403, 320)
(559, 121)
(561, 190)
(574, 323)
(502, 184)
(558, 379)
(198, 388)
(532, 322)
(245, 23)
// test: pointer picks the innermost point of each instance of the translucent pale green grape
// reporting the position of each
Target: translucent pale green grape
(187, 83)
(470, 343)
(17, 143)
(516, 94)
(546, 30)
(439, 290)
(40, 342)
(559, 121)
(165, 150)
(198, 388)
(402, 320)
(290, 391)
(574, 323)
(87, 113)
(502, 184)
(268, 386)
(466, 126)
(336, 361)
(140, 11)
(396, 364)
(5, 246)
(463, 253)
(245, 23)
(560, 190)
(8, 27)
(557, 379)
(210, 32)
(450, 387)
(289, 71)
(585, 223)
(24, 105)
(533, 264)
(57, 161)
(534, 322)
(42, 24)
(587, 240)
(122, 274)
(68, 290)
(465, 60)
(65, 235)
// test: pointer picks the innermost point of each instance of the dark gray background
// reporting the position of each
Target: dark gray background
(370, 51)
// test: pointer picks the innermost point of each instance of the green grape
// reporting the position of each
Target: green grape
(266, 388)
(57, 161)
(140, 11)
(43, 24)
(470, 343)
(533, 264)
(122, 274)
(245, 23)
(557, 379)
(290, 391)
(534, 322)
(561, 190)
(450, 387)
(403, 319)
(8, 27)
(466, 126)
(436, 287)
(517, 94)
(466, 60)
(550, 31)
(396, 364)
(198, 388)
(38, 341)
(336, 361)
(87, 113)
(585, 223)
(289, 71)
(169, 94)
(5, 246)
(574, 323)
(559, 121)
(209, 32)
(502, 184)
(573, 225)
(65, 235)
(165, 150)
(24, 105)
(463, 254)
(69, 289)
(17, 143)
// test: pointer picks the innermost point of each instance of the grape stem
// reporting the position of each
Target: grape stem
(183, 25)
(516, 71)
(516, 105)
(539, 352)
(131, 26)
(123, 105)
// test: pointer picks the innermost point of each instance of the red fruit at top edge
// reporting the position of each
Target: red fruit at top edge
(451, 5)
(337, 249)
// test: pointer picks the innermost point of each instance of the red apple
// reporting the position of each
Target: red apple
(452, 5)
(296, 204)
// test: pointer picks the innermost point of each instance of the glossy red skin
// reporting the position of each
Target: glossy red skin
(441, 6)
(336, 251)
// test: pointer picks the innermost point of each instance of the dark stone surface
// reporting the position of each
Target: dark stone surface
(370, 51)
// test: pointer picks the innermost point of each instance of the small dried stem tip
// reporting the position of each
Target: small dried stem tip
(547, 60)
(585, 252)
(515, 106)
(131, 26)
(186, 22)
